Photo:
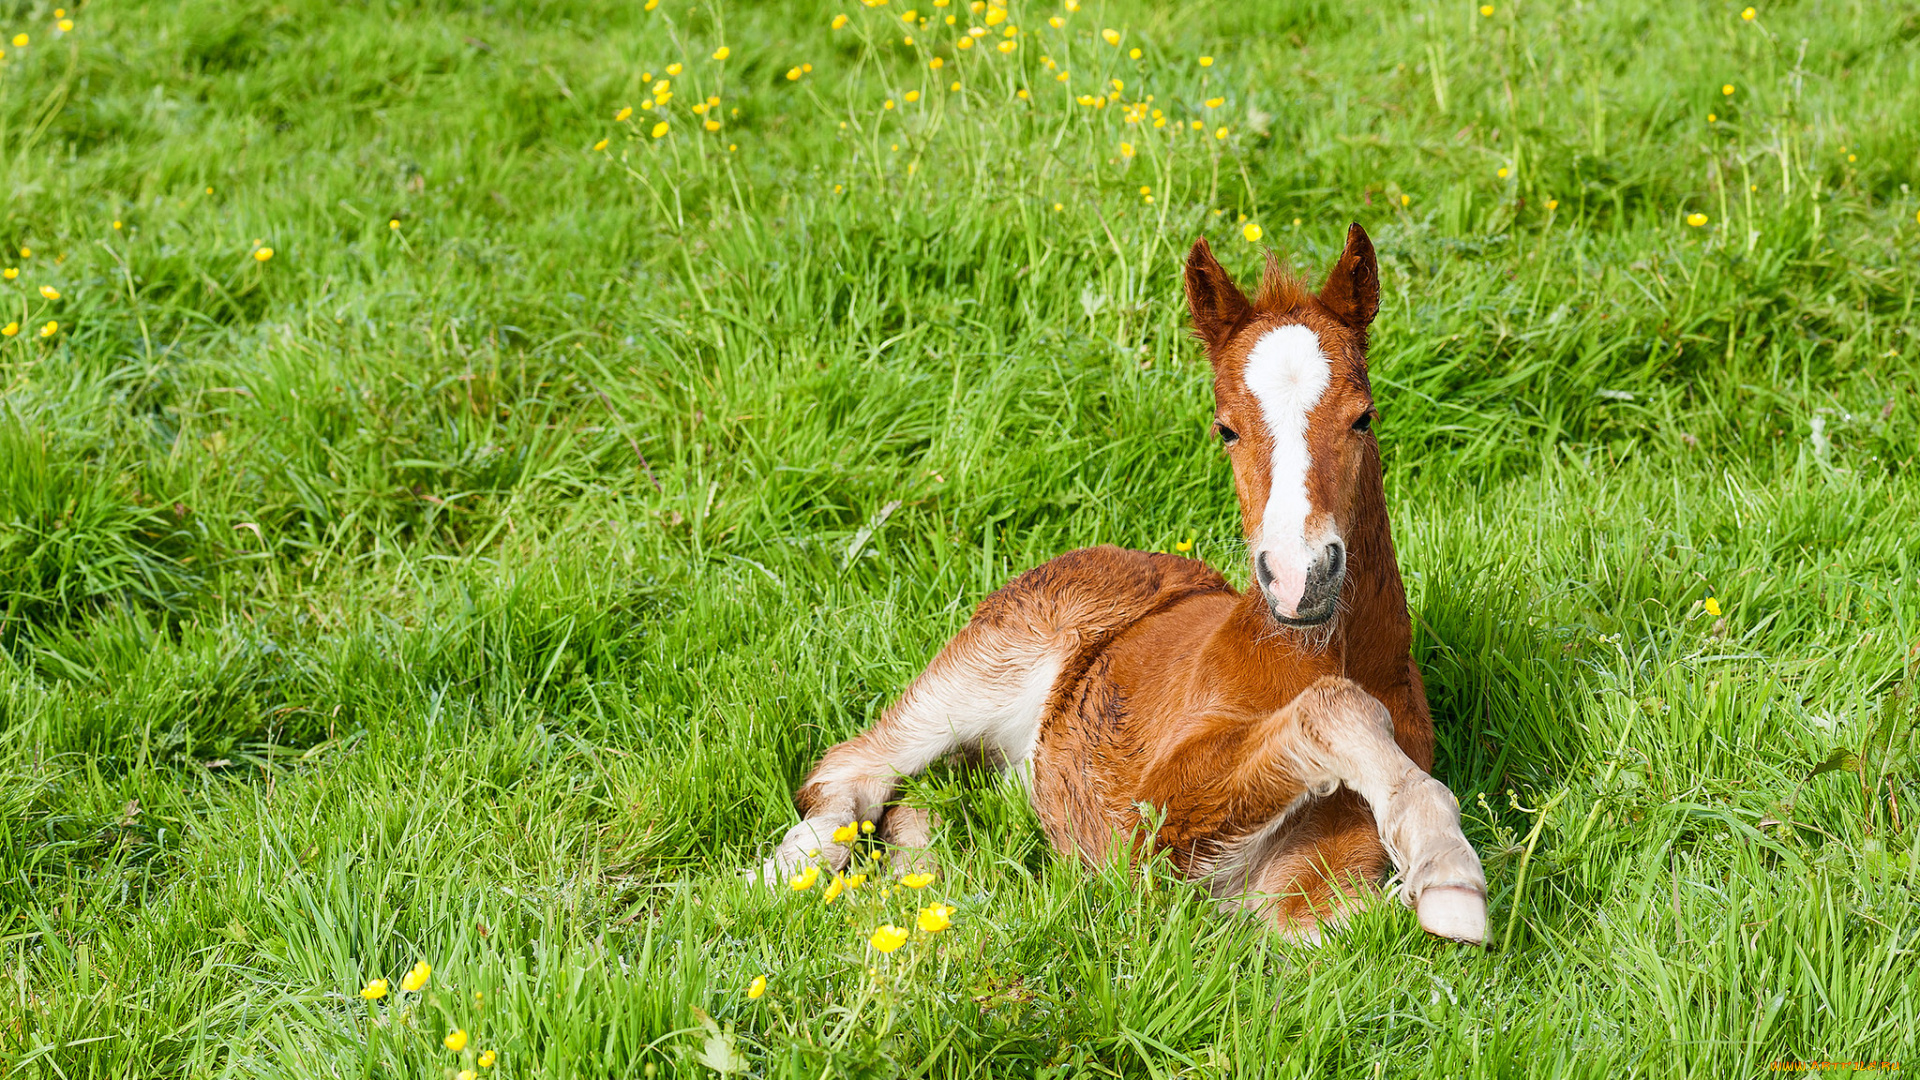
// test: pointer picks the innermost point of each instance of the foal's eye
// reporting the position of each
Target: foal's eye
(1365, 423)
(1226, 433)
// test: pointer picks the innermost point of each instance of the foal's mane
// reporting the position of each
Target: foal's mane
(1281, 290)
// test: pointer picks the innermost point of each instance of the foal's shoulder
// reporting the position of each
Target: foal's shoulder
(1097, 588)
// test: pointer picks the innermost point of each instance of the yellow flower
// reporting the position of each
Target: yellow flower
(1126, 149)
(955, 87)
(1008, 45)
(1085, 99)
(1216, 102)
(1198, 126)
(11, 272)
(651, 4)
(1486, 9)
(1220, 133)
(912, 96)
(756, 988)
(849, 827)
(456, 1040)
(1073, 5)
(20, 41)
(116, 224)
(1112, 37)
(1133, 54)
(839, 21)
(1748, 14)
(374, 990)
(935, 918)
(65, 25)
(466, 1074)
(1502, 172)
(1696, 220)
(1727, 90)
(1184, 545)
(921, 881)
(486, 1059)
(1021, 93)
(909, 15)
(659, 129)
(713, 125)
(1206, 61)
(834, 888)
(1057, 207)
(49, 292)
(804, 879)
(1405, 199)
(673, 69)
(1117, 84)
(1553, 204)
(27, 252)
(964, 43)
(263, 254)
(1062, 77)
(624, 112)
(996, 15)
(793, 74)
(1713, 607)
(1252, 232)
(888, 938)
(417, 978)
(1712, 119)
(1056, 22)
(722, 53)
(601, 145)
(936, 63)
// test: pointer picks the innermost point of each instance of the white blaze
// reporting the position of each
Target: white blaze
(1287, 373)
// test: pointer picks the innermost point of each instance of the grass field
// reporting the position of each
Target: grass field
(427, 533)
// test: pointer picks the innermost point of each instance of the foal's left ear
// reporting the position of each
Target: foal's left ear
(1352, 291)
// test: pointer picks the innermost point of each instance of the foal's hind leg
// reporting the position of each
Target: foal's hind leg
(986, 690)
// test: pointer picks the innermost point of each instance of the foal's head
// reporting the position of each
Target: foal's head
(1293, 406)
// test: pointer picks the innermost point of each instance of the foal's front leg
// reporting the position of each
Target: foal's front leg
(1336, 734)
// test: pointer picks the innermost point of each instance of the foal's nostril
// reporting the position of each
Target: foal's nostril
(1261, 571)
(1336, 557)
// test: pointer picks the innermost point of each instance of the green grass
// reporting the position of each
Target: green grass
(477, 590)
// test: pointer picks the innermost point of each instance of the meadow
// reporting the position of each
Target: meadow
(461, 464)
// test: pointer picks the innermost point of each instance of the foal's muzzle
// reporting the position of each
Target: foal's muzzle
(1319, 596)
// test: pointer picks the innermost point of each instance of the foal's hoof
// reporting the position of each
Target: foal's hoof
(1454, 912)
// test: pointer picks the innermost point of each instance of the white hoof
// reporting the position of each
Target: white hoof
(802, 847)
(1454, 912)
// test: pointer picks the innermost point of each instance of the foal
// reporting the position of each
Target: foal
(1281, 735)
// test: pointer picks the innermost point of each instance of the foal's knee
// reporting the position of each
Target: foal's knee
(1334, 709)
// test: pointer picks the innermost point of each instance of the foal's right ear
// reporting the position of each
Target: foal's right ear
(1219, 307)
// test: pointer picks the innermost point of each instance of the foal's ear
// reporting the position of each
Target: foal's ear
(1352, 292)
(1219, 307)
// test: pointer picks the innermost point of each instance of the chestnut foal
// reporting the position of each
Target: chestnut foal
(1281, 736)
